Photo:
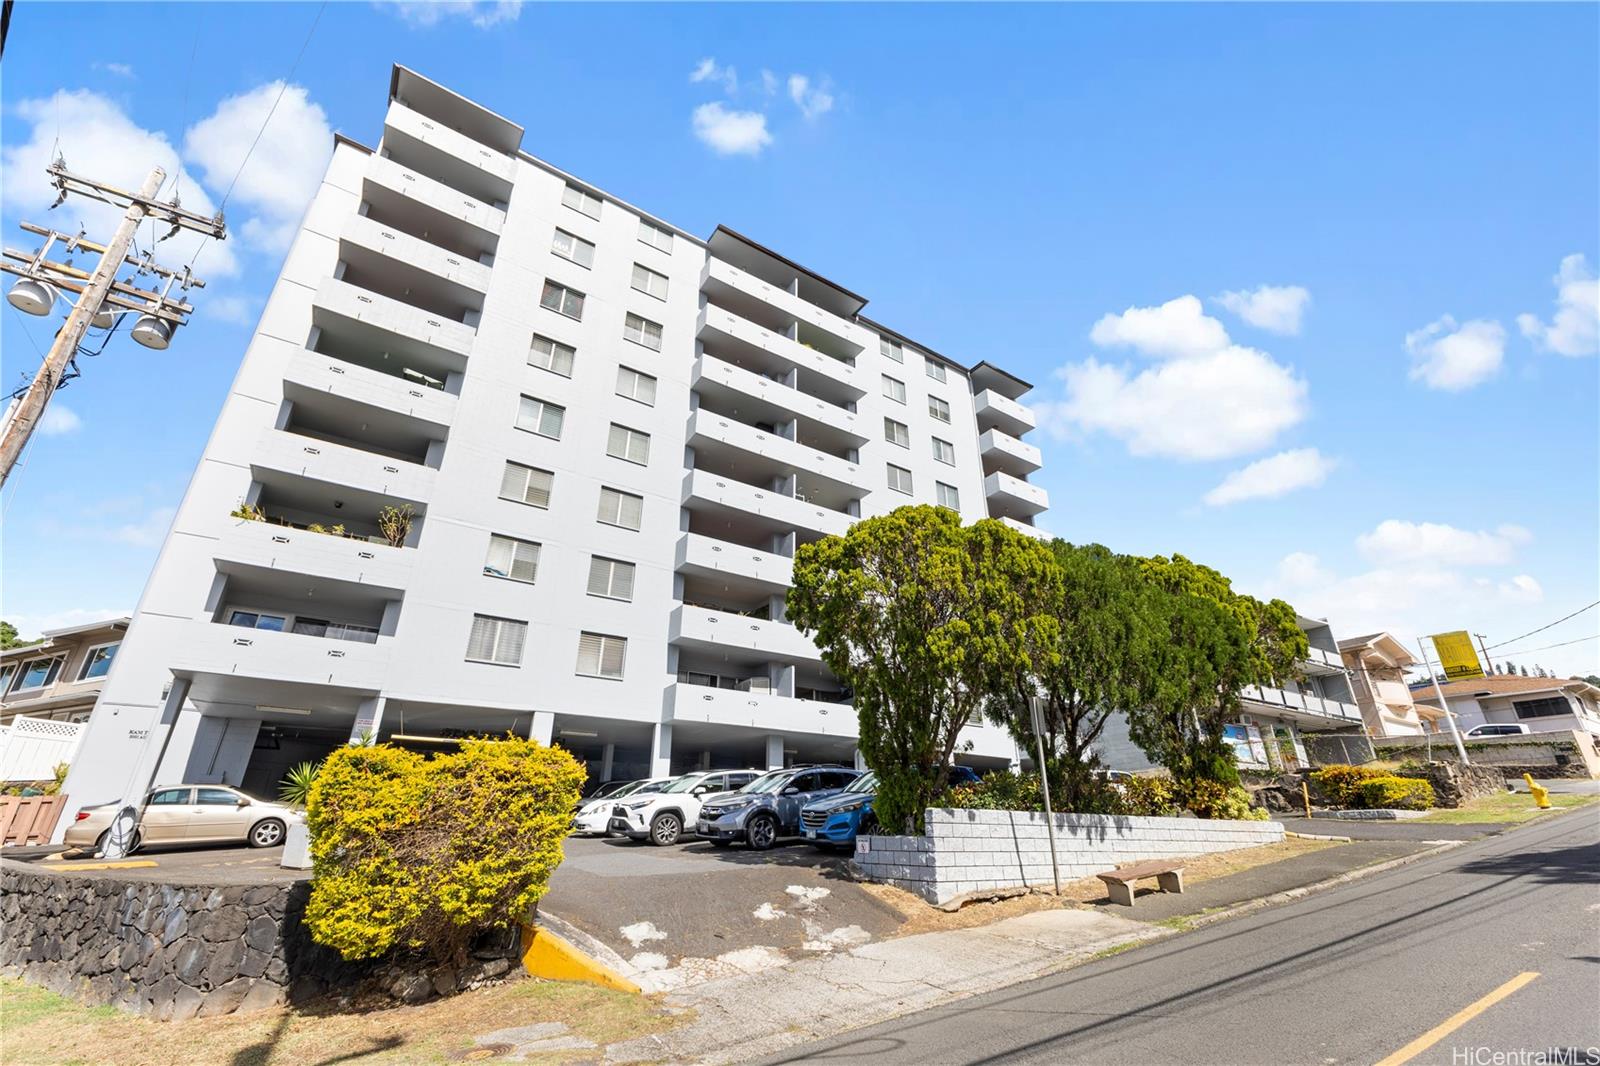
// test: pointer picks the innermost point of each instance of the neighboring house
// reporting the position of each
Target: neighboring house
(1543, 704)
(611, 435)
(61, 677)
(1377, 663)
(1272, 721)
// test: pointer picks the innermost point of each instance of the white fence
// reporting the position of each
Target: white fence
(32, 748)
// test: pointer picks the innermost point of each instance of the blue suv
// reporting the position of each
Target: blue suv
(837, 819)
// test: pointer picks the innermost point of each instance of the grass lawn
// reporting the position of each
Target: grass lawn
(39, 1027)
(1504, 807)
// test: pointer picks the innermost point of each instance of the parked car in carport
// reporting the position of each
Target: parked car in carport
(663, 817)
(769, 807)
(595, 812)
(190, 814)
(838, 819)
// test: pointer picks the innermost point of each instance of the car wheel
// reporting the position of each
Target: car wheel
(266, 834)
(105, 838)
(664, 830)
(761, 833)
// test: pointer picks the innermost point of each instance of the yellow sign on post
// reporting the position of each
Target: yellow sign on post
(1457, 655)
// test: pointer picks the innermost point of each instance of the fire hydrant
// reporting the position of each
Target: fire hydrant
(1540, 794)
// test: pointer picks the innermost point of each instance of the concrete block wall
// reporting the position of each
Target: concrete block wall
(964, 851)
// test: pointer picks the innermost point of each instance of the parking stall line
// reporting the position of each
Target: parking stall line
(1457, 1020)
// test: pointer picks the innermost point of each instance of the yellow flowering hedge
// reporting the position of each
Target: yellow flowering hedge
(413, 852)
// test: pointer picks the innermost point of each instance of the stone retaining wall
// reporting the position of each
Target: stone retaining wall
(965, 851)
(1562, 754)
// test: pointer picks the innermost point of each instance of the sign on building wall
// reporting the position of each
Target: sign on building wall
(1457, 655)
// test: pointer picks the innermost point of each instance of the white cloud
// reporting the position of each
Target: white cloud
(1275, 308)
(1522, 587)
(1178, 329)
(148, 532)
(284, 169)
(731, 132)
(1453, 357)
(769, 82)
(708, 70)
(1274, 476)
(1396, 542)
(425, 14)
(814, 101)
(1575, 330)
(97, 137)
(59, 419)
(1231, 402)
(234, 310)
(121, 70)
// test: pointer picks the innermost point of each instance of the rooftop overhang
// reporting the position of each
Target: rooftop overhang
(1383, 648)
(756, 258)
(430, 98)
(986, 377)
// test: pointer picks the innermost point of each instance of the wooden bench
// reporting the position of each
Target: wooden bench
(1120, 882)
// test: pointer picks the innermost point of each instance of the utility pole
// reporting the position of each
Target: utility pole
(1488, 664)
(101, 298)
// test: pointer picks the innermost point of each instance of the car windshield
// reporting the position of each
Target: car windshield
(656, 786)
(767, 782)
(623, 790)
(867, 782)
(684, 784)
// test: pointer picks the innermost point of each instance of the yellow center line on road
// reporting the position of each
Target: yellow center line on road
(1457, 1020)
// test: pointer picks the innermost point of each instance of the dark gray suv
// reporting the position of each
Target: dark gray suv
(769, 807)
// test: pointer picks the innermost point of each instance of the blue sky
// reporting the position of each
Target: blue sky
(1397, 432)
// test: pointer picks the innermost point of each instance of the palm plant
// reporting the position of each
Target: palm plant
(295, 788)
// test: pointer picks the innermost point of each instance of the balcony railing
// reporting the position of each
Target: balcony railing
(1002, 451)
(361, 385)
(418, 187)
(275, 544)
(451, 157)
(718, 325)
(340, 464)
(218, 648)
(995, 411)
(792, 455)
(1303, 701)
(352, 303)
(720, 275)
(705, 627)
(1012, 494)
(708, 369)
(415, 253)
(784, 511)
(709, 557)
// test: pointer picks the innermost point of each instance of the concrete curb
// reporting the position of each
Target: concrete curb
(547, 954)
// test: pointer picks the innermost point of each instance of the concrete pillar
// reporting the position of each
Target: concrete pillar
(774, 752)
(705, 760)
(661, 750)
(369, 719)
(782, 677)
(607, 756)
(543, 726)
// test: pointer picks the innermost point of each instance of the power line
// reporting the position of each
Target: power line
(1541, 629)
(1563, 644)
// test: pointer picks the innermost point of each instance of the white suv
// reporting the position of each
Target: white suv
(662, 816)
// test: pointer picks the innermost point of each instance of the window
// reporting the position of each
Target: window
(655, 236)
(600, 655)
(39, 673)
(562, 300)
(171, 797)
(517, 560)
(891, 350)
(894, 388)
(636, 386)
(899, 478)
(938, 408)
(947, 496)
(897, 433)
(95, 664)
(252, 620)
(628, 444)
(321, 627)
(215, 797)
(649, 282)
(526, 484)
(935, 370)
(575, 248)
(581, 200)
(7, 673)
(496, 640)
(944, 451)
(1542, 708)
(642, 331)
(541, 417)
(553, 356)
(619, 508)
(611, 578)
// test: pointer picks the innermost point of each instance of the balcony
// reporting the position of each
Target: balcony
(760, 710)
(457, 279)
(434, 101)
(773, 401)
(1013, 497)
(703, 489)
(999, 412)
(715, 432)
(1025, 529)
(704, 556)
(217, 648)
(829, 378)
(312, 373)
(426, 146)
(464, 222)
(1275, 699)
(724, 282)
(269, 546)
(705, 629)
(340, 464)
(1321, 661)
(395, 326)
(1001, 451)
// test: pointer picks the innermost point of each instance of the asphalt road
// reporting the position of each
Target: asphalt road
(1350, 975)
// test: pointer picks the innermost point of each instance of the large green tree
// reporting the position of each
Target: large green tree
(918, 615)
(10, 638)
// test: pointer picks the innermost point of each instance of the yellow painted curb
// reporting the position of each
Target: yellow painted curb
(549, 956)
(65, 868)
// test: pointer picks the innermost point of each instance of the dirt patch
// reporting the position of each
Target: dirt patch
(43, 1029)
(921, 917)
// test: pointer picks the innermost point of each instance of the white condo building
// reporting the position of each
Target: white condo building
(612, 435)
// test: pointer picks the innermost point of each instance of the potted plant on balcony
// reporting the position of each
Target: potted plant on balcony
(395, 523)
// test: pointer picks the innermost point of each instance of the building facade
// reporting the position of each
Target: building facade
(1377, 663)
(60, 677)
(506, 453)
(1543, 704)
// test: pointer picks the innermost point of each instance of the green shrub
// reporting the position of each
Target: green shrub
(1395, 793)
(1150, 797)
(1208, 799)
(1003, 791)
(412, 852)
(1340, 782)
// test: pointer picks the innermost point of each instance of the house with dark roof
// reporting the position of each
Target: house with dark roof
(1543, 704)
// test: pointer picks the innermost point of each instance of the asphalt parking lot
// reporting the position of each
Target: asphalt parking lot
(692, 904)
(178, 865)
